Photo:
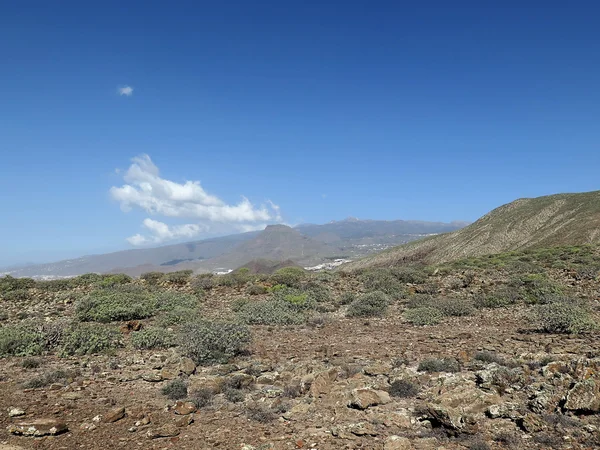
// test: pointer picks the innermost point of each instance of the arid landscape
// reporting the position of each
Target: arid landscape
(489, 351)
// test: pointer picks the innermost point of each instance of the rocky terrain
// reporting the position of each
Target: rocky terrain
(485, 353)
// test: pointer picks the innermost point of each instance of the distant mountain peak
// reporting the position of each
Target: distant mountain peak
(278, 227)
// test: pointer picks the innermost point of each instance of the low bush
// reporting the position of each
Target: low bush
(439, 365)
(316, 291)
(179, 278)
(403, 389)
(86, 279)
(408, 274)
(8, 283)
(203, 397)
(492, 357)
(256, 289)
(152, 337)
(178, 316)
(114, 304)
(289, 276)
(455, 307)
(21, 340)
(31, 363)
(346, 298)
(46, 379)
(260, 413)
(536, 288)
(564, 316)
(425, 315)
(383, 280)
(372, 304)
(114, 280)
(17, 295)
(234, 395)
(152, 278)
(89, 338)
(500, 298)
(175, 390)
(202, 282)
(212, 342)
(270, 312)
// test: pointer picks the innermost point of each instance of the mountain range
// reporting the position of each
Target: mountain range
(561, 219)
(306, 244)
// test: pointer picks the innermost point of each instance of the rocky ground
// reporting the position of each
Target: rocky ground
(489, 380)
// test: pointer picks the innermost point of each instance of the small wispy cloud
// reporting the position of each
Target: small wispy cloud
(127, 91)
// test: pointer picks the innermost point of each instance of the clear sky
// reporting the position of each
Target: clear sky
(137, 123)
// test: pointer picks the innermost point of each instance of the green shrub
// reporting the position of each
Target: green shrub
(31, 363)
(537, 287)
(152, 278)
(492, 357)
(203, 397)
(152, 337)
(294, 297)
(260, 413)
(410, 274)
(456, 307)
(256, 289)
(371, 304)
(86, 279)
(202, 282)
(383, 280)
(421, 301)
(270, 312)
(179, 278)
(8, 283)
(170, 300)
(58, 285)
(501, 298)
(439, 365)
(316, 291)
(89, 338)
(175, 390)
(114, 304)
(17, 295)
(212, 342)
(177, 316)
(46, 379)
(564, 316)
(234, 395)
(423, 316)
(346, 298)
(114, 280)
(403, 389)
(289, 276)
(21, 340)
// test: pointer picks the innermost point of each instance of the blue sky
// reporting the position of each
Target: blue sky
(382, 110)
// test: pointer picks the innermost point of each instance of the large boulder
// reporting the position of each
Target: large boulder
(38, 427)
(584, 397)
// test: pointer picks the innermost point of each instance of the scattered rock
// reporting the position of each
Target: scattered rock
(397, 443)
(184, 408)
(15, 412)
(152, 377)
(187, 366)
(365, 398)
(583, 397)
(38, 427)
(114, 414)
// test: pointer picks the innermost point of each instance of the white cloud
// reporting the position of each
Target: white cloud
(145, 189)
(161, 232)
(125, 90)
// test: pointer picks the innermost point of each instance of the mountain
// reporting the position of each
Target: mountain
(276, 242)
(561, 219)
(305, 244)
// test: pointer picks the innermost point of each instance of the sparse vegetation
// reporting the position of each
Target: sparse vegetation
(372, 304)
(564, 316)
(21, 340)
(270, 312)
(439, 365)
(289, 276)
(152, 337)
(175, 390)
(89, 338)
(403, 389)
(423, 316)
(210, 342)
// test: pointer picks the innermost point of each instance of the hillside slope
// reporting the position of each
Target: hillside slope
(561, 219)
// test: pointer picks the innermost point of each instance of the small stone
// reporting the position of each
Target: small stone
(184, 408)
(72, 395)
(152, 377)
(167, 430)
(114, 414)
(38, 427)
(169, 374)
(15, 412)
(187, 366)
(397, 443)
(184, 421)
(365, 398)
